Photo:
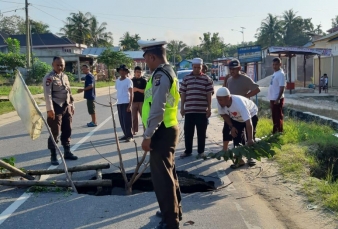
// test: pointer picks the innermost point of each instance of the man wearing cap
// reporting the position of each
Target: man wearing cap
(196, 91)
(159, 116)
(239, 84)
(239, 113)
(124, 89)
(89, 94)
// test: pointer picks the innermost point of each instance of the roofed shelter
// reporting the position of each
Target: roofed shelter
(290, 52)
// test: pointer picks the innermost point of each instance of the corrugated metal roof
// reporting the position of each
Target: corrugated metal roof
(39, 39)
(98, 50)
(134, 54)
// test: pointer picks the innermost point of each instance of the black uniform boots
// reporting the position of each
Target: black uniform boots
(53, 157)
(68, 155)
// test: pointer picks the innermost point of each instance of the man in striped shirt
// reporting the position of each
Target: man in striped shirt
(196, 91)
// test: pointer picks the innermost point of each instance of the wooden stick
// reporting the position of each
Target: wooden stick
(89, 183)
(15, 170)
(72, 169)
(99, 178)
(50, 133)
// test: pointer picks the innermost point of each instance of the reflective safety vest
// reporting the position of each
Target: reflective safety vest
(171, 106)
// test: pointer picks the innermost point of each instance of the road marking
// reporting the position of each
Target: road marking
(22, 199)
(247, 224)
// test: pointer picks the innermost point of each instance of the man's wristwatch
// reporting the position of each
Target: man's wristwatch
(146, 137)
(230, 127)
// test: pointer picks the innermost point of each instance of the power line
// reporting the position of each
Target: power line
(12, 10)
(12, 2)
(132, 16)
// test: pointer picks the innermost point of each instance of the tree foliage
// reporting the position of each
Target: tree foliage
(113, 59)
(83, 28)
(128, 42)
(39, 70)
(288, 29)
(262, 149)
(13, 59)
(37, 27)
(334, 21)
(13, 25)
(174, 50)
(10, 24)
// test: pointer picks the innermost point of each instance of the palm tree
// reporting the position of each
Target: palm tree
(270, 32)
(334, 22)
(175, 48)
(129, 42)
(77, 28)
(289, 25)
(98, 35)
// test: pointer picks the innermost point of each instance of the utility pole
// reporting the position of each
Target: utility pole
(28, 40)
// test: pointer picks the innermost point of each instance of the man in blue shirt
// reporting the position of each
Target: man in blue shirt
(89, 94)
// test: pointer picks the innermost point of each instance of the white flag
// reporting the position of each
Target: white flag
(26, 107)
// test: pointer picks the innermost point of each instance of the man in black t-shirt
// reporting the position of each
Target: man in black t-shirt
(89, 94)
(139, 86)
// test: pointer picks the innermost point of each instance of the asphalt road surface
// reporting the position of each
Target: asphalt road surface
(225, 208)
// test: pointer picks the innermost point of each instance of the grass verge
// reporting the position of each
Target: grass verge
(307, 149)
(5, 107)
(98, 84)
(4, 90)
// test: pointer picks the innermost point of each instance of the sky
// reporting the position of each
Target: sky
(184, 20)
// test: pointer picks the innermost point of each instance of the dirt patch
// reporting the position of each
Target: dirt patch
(286, 199)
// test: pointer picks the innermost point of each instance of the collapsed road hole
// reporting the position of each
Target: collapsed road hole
(188, 184)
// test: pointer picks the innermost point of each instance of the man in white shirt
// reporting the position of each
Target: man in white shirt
(276, 96)
(239, 113)
(124, 89)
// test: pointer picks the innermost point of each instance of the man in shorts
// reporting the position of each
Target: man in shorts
(89, 94)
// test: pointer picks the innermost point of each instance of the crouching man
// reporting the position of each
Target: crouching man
(238, 113)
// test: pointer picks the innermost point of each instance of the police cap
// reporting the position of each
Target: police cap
(150, 45)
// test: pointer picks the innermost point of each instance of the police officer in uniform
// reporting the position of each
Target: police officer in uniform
(159, 116)
(60, 108)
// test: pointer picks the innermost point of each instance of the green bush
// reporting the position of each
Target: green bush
(71, 76)
(38, 71)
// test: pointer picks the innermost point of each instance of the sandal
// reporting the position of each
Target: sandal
(251, 162)
(236, 166)
(183, 155)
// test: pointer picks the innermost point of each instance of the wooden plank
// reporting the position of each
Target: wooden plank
(15, 170)
(98, 178)
(88, 183)
(72, 169)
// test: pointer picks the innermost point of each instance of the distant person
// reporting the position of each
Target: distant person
(196, 94)
(239, 113)
(124, 88)
(139, 84)
(276, 95)
(239, 84)
(204, 70)
(60, 109)
(89, 94)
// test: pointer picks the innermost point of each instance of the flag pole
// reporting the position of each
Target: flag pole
(50, 133)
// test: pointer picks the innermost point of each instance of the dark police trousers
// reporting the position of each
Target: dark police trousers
(163, 174)
(62, 123)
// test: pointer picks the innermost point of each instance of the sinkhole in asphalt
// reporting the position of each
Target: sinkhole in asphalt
(189, 183)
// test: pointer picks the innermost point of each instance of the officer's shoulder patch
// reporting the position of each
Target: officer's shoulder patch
(157, 76)
(48, 81)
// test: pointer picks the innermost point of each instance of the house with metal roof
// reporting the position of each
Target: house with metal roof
(47, 46)
(328, 64)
